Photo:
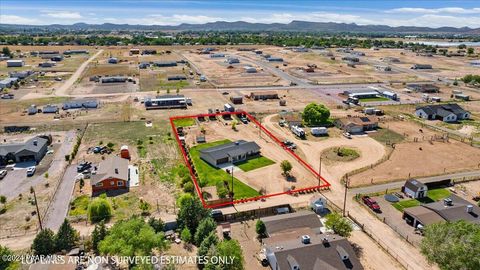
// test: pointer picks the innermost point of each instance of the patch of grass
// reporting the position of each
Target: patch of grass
(254, 163)
(79, 206)
(385, 135)
(341, 154)
(373, 99)
(433, 195)
(211, 175)
(173, 85)
(184, 122)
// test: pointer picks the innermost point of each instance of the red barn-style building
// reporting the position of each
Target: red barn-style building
(112, 174)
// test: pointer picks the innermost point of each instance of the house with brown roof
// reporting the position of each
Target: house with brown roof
(263, 95)
(112, 174)
(353, 124)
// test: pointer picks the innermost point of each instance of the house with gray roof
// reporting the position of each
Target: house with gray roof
(230, 152)
(415, 189)
(112, 174)
(450, 112)
(296, 242)
(451, 209)
(33, 149)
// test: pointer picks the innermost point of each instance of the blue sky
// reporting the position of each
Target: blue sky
(429, 13)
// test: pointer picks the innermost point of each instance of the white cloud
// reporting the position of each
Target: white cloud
(63, 14)
(451, 10)
(14, 19)
(176, 19)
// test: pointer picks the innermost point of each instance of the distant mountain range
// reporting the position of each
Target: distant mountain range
(294, 26)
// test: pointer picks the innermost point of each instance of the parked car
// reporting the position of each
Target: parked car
(84, 166)
(244, 120)
(3, 173)
(217, 214)
(347, 135)
(371, 203)
(31, 171)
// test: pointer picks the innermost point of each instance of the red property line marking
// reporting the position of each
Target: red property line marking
(195, 180)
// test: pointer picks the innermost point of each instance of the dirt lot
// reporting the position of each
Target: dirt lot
(301, 177)
(218, 73)
(436, 157)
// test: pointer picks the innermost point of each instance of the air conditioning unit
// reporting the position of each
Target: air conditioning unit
(306, 239)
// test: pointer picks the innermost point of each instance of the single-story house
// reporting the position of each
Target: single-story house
(165, 63)
(33, 149)
(230, 152)
(146, 52)
(8, 82)
(15, 63)
(112, 174)
(421, 66)
(236, 99)
(351, 59)
(249, 69)
(57, 58)
(20, 74)
(450, 112)
(217, 55)
(295, 242)
(166, 102)
(451, 209)
(415, 189)
(50, 109)
(143, 65)
(69, 52)
(423, 88)
(46, 64)
(87, 104)
(177, 78)
(263, 95)
(293, 119)
(113, 60)
(232, 60)
(274, 59)
(357, 124)
(114, 79)
(134, 51)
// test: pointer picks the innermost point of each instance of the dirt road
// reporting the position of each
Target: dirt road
(63, 90)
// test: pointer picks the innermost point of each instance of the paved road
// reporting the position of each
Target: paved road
(63, 90)
(59, 206)
(399, 184)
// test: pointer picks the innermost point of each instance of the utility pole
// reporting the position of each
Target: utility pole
(345, 195)
(232, 182)
(36, 205)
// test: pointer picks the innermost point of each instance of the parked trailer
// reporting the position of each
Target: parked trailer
(228, 107)
(298, 131)
(319, 131)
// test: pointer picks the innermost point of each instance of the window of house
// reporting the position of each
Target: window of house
(120, 183)
(112, 183)
(99, 184)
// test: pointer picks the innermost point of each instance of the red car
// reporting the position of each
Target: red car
(371, 203)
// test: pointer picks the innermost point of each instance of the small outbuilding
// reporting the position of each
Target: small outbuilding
(415, 189)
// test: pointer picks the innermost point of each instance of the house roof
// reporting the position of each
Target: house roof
(443, 109)
(115, 167)
(264, 93)
(316, 255)
(359, 121)
(414, 185)
(292, 221)
(230, 149)
(438, 211)
(26, 146)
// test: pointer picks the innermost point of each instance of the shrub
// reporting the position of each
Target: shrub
(99, 209)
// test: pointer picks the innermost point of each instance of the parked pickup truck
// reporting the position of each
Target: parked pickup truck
(371, 203)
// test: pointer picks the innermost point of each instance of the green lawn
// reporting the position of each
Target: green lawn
(254, 163)
(433, 195)
(384, 135)
(211, 176)
(184, 122)
(79, 206)
(373, 99)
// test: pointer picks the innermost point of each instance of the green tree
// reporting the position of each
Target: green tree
(315, 114)
(191, 213)
(98, 234)
(338, 224)
(44, 243)
(286, 167)
(206, 226)
(7, 264)
(227, 248)
(470, 51)
(144, 207)
(157, 224)
(3, 199)
(99, 209)
(132, 237)
(6, 51)
(261, 229)
(207, 243)
(186, 235)
(66, 237)
(452, 244)
(183, 198)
